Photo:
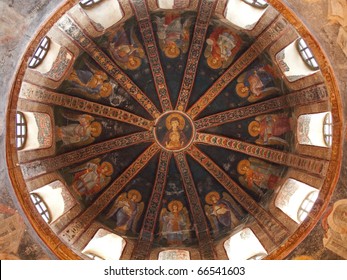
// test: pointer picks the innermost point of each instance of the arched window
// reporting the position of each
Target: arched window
(102, 14)
(244, 245)
(306, 54)
(245, 13)
(40, 53)
(296, 199)
(89, 3)
(40, 207)
(56, 198)
(328, 130)
(34, 130)
(307, 205)
(174, 255)
(21, 130)
(261, 4)
(105, 245)
(315, 129)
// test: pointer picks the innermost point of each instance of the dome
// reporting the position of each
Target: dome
(174, 129)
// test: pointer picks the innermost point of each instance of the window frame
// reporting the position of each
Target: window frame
(38, 202)
(304, 50)
(256, 4)
(40, 53)
(88, 4)
(328, 125)
(23, 126)
(303, 211)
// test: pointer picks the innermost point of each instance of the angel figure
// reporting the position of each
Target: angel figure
(173, 35)
(126, 210)
(256, 84)
(222, 212)
(82, 132)
(222, 46)
(257, 175)
(125, 50)
(174, 224)
(269, 128)
(91, 177)
(90, 81)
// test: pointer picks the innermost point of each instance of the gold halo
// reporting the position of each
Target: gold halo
(208, 197)
(109, 167)
(108, 91)
(253, 128)
(181, 121)
(137, 193)
(241, 164)
(214, 63)
(135, 65)
(240, 90)
(172, 52)
(177, 203)
(97, 128)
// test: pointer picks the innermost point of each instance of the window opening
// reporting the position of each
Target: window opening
(21, 130)
(40, 53)
(306, 54)
(40, 207)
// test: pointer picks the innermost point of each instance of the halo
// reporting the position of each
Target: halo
(240, 90)
(177, 203)
(108, 92)
(181, 121)
(214, 63)
(208, 197)
(241, 165)
(172, 52)
(253, 128)
(109, 167)
(97, 128)
(136, 64)
(137, 193)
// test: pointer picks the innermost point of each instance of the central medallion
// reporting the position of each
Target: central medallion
(174, 131)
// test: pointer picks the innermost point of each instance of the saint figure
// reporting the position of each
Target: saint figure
(126, 210)
(174, 36)
(174, 223)
(256, 84)
(125, 50)
(257, 176)
(269, 128)
(221, 48)
(91, 177)
(82, 132)
(222, 212)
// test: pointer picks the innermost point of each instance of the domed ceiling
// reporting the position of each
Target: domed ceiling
(171, 126)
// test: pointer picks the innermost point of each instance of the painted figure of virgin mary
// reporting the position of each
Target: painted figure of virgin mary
(174, 138)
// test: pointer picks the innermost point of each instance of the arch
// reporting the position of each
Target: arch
(296, 61)
(55, 198)
(105, 245)
(315, 129)
(244, 245)
(174, 255)
(237, 9)
(296, 199)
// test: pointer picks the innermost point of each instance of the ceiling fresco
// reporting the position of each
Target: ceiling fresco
(175, 128)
